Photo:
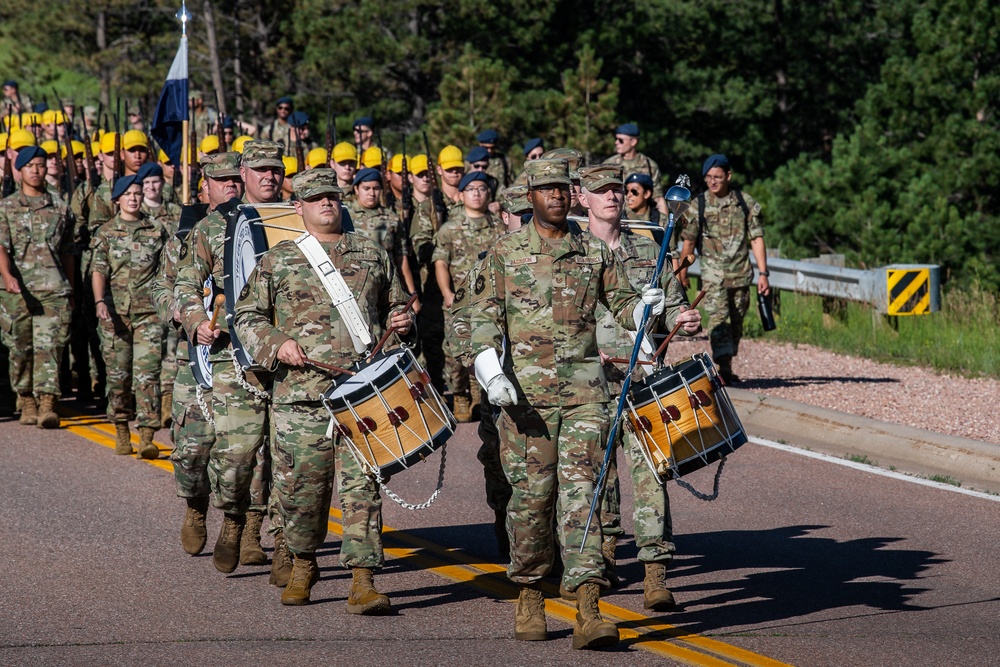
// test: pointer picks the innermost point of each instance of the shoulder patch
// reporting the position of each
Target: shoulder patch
(531, 259)
(756, 209)
(245, 291)
(460, 295)
(183, 251)
(480, 284)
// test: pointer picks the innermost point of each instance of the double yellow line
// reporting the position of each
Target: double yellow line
(636, 629)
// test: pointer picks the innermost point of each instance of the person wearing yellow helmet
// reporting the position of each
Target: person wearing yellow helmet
(316, 158)
(451, 168)
(344, 162)
(239, 141)
(291, 168)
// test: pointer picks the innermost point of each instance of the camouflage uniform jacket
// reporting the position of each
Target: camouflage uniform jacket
(36, 232)
(163, 287)
(640, 164)
(543, 300)
(637, 255)
(285, 300)
(101, 208)
(725, 240)
(380, 225)
(128, 255)
(500, 169)
(167, 214)
(460, 241)
(279, 131)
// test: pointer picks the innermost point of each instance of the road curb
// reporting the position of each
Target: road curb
(973, 463)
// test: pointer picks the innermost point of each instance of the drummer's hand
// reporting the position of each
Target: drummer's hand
(207, 335)
(291, 354)
(604, 358)
(177, 315)
(401, 322)
(689, 319)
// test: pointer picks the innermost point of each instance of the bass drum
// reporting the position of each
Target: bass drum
(201, 367)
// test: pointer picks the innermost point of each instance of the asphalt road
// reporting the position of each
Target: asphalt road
(799, 561)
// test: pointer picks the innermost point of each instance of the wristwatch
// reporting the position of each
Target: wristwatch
(765, 273)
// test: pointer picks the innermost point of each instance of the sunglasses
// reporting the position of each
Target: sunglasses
(480, 165)
(285, 107)
(634, 192)
(619, 140)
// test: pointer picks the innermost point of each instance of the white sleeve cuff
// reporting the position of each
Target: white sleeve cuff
(487, 366)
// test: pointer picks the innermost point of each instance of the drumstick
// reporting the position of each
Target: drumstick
(220, 301)
(677, 327)
(619, 360)
(388, 332)
(328, 367)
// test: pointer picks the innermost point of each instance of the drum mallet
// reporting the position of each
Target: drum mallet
(328, 367)
(388, 331)
(220, 301)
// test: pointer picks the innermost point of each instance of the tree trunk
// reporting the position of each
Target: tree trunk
(213, 57)
(102, 45)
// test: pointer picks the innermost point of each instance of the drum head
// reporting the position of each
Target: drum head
(201, 367)
(245, 243)
(381, 372)
(666, 380)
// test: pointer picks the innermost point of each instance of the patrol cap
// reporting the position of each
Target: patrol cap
(345, 151)
(209, 144)
(372, 157)
(532, 144)
(547, 171)
(477, 154)
(31, 118)
(418, 164)
(135, 139)
(196, 94)
(298, 119)
(221, 165)
(148, 170)
(471, 178)
(22, 138)
(123, 184)
(27, 154)
(316, 157)
(366, 174)
(90, 113)
(716, 160)
(241, 141)
(108, 142)
(261, 153)
(284, 99)
(396, 163)
(645, 180)
(291, 165)
(320, 181)
(51, 147)
(628, 129)
(52, 116)
(572, 156)
(599, 175)
(365, 121)
(450, 157)
(77, 146)
(487, 137)
(514, 199)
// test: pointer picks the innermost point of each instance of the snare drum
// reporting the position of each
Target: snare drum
(389, 412)
(683, 418)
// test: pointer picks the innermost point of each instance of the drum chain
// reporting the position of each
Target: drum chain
(419, 506)
(241, 378)
(200, 396)
(698, 494)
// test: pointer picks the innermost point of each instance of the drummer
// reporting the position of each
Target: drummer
(286, 320)
(603, 196)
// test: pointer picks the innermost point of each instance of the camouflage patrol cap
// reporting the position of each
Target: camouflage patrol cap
(261, 153)
(514, 199)
(319, 181)
(221, 165)
(572, 156)
(599, 175)
(545, 171)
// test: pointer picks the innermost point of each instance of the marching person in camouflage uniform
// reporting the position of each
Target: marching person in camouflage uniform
(533, 149)
(279, 130)
(192, 430)
(36, 262)
(125, 261)
(574, 159)
(633, 162)
(239, 400)
(724, 224)
(546, 280)
(451, 168)
(603, 198)
(380, 224)
(344, 161)
(456, 250)
(286, 318)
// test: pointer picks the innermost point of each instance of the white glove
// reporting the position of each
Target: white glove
(500, 392)
(653, 296)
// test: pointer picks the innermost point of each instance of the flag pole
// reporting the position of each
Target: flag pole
(184, 16)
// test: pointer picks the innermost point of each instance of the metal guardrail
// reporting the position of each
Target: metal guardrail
(865, 286)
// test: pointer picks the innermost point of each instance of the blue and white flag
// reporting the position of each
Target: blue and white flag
(172, 109)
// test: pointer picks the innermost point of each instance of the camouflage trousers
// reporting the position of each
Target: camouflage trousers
(725, 309)
(550, 453)
(307, 465)
(35, 329)
(457, 374)
(498, 489)
(654, 529)
(168, 371)
(132, 345)
(191, 432)
(239, 461)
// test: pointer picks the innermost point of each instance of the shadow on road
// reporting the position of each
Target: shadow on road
(780, 382)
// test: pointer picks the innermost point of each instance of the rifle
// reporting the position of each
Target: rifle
(382, 167)
(88, 155)
(8, 167)
(407, 195)
(221, 133)
(300, 158)
(435, 188)
(331, 128)
(117, 172)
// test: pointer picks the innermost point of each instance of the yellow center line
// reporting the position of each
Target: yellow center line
(469, 570)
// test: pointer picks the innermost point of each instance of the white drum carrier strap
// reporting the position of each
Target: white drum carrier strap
(338, 290)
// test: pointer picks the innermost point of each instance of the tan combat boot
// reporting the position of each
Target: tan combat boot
(166, 409)
(655, 593)
(529, 617)
(193, 532)
(281, 562)
(29, 411)
(363, 598)
(305, 573)
(47, 417)
(226, 555)
(608, 546)
(250, 551)
(476, 394)
(147, 449)
(591, 631)
(463, 411)
(123, 438)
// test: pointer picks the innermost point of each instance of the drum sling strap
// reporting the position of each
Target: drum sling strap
(340, 294)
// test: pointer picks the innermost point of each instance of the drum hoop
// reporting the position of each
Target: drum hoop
(383, 354)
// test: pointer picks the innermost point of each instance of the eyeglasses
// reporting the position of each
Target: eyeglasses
(715, 178)
(285, 107)
(478, 191)
(636, 192)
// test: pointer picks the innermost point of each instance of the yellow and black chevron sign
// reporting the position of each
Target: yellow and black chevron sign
(909, 291)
